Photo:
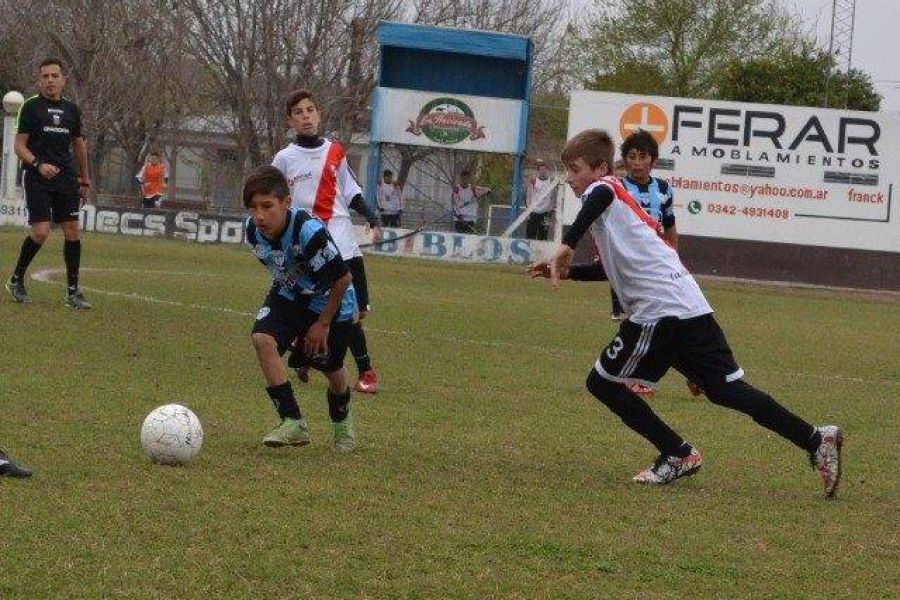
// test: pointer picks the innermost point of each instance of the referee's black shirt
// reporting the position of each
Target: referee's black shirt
(51, 126)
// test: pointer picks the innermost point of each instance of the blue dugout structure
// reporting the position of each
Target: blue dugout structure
(451, 88)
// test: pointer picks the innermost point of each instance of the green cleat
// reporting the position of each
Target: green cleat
(290, 432)
(344, 438)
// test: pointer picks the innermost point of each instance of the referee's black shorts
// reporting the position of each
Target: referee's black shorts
(45, 203)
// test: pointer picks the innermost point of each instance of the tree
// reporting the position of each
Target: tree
(677, 47)
(798, 77)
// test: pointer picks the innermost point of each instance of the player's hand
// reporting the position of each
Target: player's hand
(376, 234)
(560, 263)
(48, 171)
(315, 342)
(84, 188)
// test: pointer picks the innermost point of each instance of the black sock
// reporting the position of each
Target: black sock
(283, 400)
(29, 249)
(684, 450)
(762, 408)
(635, 413)
(72, 255)
(338, 405)
(813, 443)
(358, 348)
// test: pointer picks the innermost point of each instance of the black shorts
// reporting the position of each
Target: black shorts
(286, 320)
(150, 202)
(358, 272)
(695, 347)
(44, 204)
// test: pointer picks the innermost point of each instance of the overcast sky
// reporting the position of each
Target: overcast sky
(875, 47)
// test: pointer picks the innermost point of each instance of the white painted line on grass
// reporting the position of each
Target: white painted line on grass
(47, 275)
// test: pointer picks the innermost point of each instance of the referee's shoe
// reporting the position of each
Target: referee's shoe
(10, 469)
(77, 300)
(16, 288)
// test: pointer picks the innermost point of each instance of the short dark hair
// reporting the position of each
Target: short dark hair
(52, 60)
(388, 173)
(153, 152)
(641, 141)
(294, 98)
(265, 180)
(465, 173)
(593, 145)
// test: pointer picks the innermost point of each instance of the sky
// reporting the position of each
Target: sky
(874, 40)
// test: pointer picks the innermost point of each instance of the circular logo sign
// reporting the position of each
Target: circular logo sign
(646, 116)
(446, 121)
(694, 207)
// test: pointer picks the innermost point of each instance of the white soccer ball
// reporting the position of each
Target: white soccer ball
(172, 435)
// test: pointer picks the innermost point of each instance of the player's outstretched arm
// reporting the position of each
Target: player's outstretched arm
(560, 264)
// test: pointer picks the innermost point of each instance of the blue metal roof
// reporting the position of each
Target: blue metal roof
(460, 41)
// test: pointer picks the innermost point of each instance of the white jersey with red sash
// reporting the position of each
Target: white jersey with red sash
(322, 182)
(646, 273)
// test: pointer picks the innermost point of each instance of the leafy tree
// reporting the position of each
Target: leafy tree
(677, 47)
(798, 77)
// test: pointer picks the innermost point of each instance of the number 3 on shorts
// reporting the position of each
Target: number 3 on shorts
(612, 351)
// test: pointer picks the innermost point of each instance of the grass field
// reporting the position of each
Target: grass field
(484, 469)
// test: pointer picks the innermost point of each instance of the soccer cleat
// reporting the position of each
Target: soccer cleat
(77, 301)
(16, 288)
(368, 382)
(344, 438)
(826, 459)
(10, 469)
(303, 374)
(290, 432)
(666, 469)
(641, 390)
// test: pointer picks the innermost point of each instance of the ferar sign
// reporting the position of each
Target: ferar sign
(786, 174)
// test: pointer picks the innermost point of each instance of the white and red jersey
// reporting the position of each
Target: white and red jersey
(646, 273)
(540, 194)
(322, 182)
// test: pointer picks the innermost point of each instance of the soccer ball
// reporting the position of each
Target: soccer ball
(172, 435)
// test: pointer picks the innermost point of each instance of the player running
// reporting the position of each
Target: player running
(670, 324)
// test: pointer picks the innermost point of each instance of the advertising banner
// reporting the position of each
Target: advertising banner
(456, 247)
(795, 175)
(446, 121)
(212, 228)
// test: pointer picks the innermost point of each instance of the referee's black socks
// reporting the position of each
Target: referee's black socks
(72, 256)
(29, 249)
(282, 397)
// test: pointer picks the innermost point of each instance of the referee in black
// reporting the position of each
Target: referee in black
(51, 146)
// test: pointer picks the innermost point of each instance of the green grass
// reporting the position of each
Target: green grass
(485, 470)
